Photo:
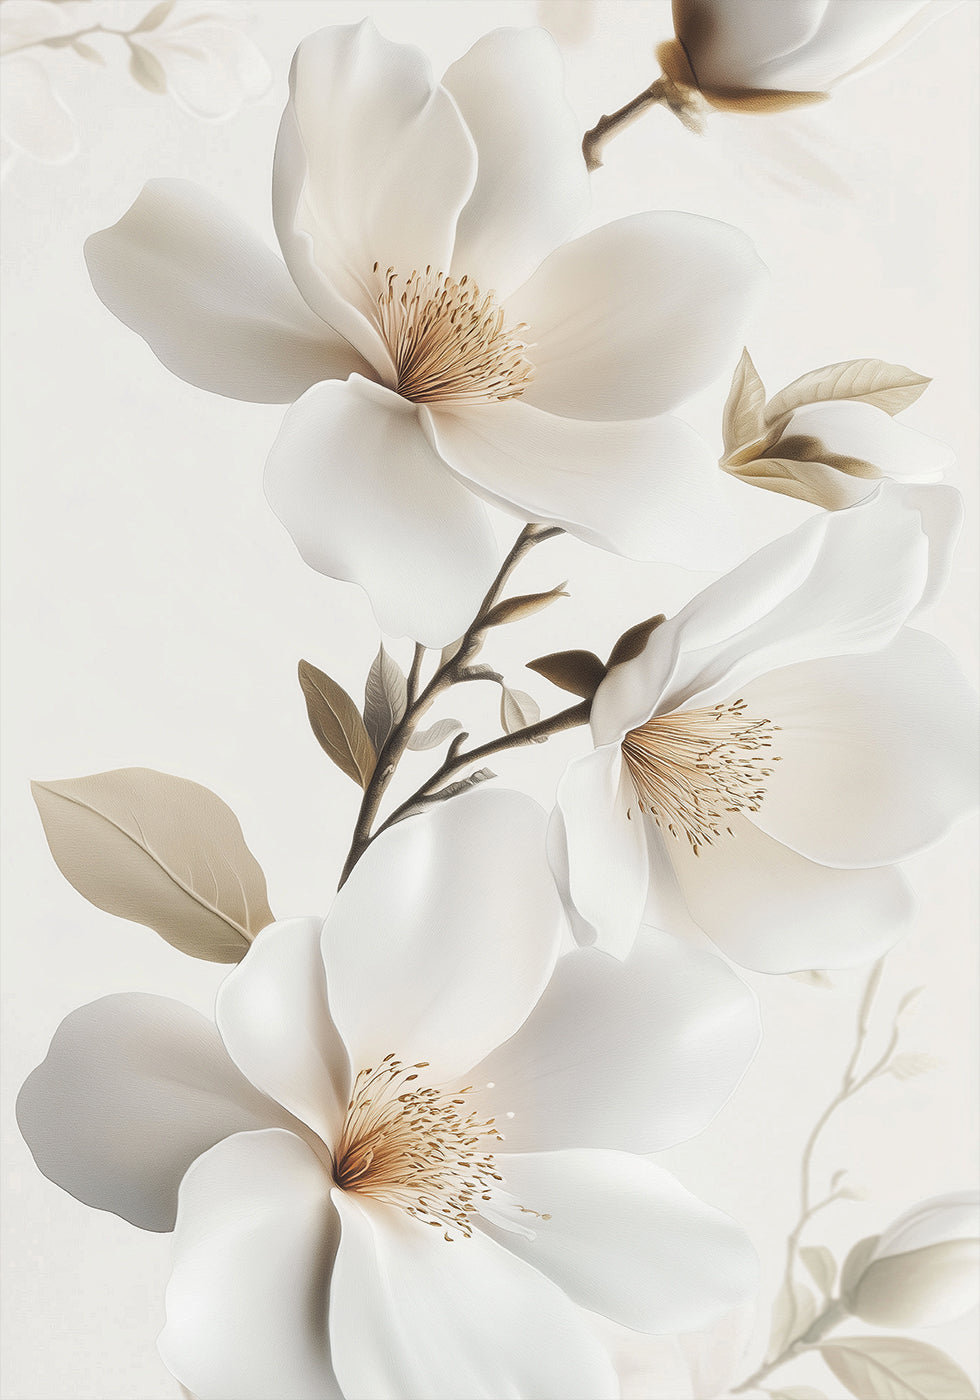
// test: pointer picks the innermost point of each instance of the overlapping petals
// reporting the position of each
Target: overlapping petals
(546, 392)
(293, 1278)
(787, 740)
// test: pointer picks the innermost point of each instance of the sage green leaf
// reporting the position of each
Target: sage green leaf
(517, 710)
(896, 1368)
(580, 672)
(855, 1264)
(147, 70)
(432, 737)
(744, 418)
(161, 851)
(524, 605)
(888, 387)
(385, 697)
(822, 1266)
(337, 724)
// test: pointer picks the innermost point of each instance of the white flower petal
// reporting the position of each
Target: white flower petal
(412, 1315)
(648, 489)
(35, 121)
(851, 36)
(955, 1215)
(634, 1056)
(445, 934)
(775, 911)
(604, 853)
(273, 1018)
(878, 752)
(134, 1087)
(739, 45)
(843, 582)
(532, 188)
(373, 164)
(622, 1238)
(366, 499)
(254, 1246)
(211, 300)
(634, 317)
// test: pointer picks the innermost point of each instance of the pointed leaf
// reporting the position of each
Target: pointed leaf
(855, 1264)
(822, 1266)
(337, 725)
(385, 697)
(580, 672)
(888, 387)
(436, 734)
(155, 17)
(792, 1312)
(814, 978)
(896, 1368)
(517, 710)
(513, 609)
(912, 1064)
(147, 70)
(161, 851)
(89, 52)
(633, 640)
(744, 419)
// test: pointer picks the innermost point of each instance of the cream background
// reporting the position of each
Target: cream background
(155, 611)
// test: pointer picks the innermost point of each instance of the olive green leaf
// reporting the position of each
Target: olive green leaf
(896, 1368)
(580, 672)
(337, 724)
(161, 851)
(633, 640)
(525, 605)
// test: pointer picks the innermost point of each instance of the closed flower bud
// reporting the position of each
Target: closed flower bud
(924, 1268)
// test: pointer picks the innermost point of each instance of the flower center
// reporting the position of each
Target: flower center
(448, 341)
(692, 768)
(416, 1147)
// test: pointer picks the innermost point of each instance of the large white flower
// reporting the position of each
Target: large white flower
(775, 747)
(443, 348)
(733, 49)
(409, 1161)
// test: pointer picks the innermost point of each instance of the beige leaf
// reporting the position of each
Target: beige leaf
(792, 1312)
(814, 978)
(385, 697)
(337, 724)
(146, 69)
(912, 1064)
(888, 387)
(799, 1392)
(822, 1266)
(744, 419)
(161, 851)
(524, 605)
(517, 710)
(896, 1368)
(856, 1263)
(432, 737)
(155, 17)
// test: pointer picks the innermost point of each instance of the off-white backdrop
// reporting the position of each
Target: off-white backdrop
(155, 610)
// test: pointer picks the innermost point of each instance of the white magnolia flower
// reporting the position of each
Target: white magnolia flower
(443, 348)
(406, 1160)
(775, 747)
(924, 1268)
(748, 54)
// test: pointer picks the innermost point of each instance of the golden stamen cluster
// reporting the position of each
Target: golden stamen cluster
(692, 768)
(416, 1147)
(449, 343)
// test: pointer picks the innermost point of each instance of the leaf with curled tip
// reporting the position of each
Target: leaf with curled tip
(896, 1368)
(337, 724)
(580, 672)
(525, 605)
(159, 850)
(888, 387)
(385, 697)
(517, 710)
(744, 419)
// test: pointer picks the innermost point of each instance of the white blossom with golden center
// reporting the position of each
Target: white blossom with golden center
(447, 335)
(776, 748)
(434, 1219)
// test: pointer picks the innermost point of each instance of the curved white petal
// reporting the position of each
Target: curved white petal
(955, 1215)
(443, 937)
(841, 583)
(273, 1017)
(532, 187)
(773, 910)
(648, 489)
(851, 36)
(634, 317)
(878, 753)
(416, 1317)
(942, 512)
(248, 1298)
(213, 303)
(740, 45)
(622, 1238)
(373, 164)
(603, 852)
(366, 499)
(634, 1056)
(133, 1088)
